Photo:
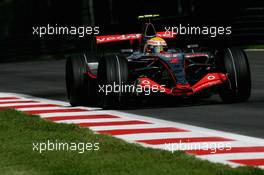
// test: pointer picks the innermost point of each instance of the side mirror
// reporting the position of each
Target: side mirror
(127, 50)
(191, 46)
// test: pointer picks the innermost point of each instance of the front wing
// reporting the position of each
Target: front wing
(209, 80)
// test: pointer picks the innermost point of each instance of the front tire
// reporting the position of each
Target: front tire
(79, 86)
(112, 72)
(234, 62)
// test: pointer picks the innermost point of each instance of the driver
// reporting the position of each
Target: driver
(155, 45)
(158, 46)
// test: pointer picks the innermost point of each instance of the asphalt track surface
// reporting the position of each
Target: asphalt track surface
(46, 78)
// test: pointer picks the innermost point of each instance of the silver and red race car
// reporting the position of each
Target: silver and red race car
(110, 79)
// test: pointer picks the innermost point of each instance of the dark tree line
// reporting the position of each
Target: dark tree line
(17, 17)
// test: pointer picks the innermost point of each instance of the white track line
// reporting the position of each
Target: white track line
(193, 128)
(92, 120)
(237, 156)
(141, 126)
(193, 131)
(40, 108)
(28, 97)
(49, 108)
(75, 113)
(204, 145)
(20, 104)
(150, 136)
(15, 100)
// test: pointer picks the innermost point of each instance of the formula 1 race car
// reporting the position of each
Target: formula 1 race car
(110, 79)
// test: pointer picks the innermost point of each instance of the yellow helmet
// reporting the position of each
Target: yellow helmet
(155, 45)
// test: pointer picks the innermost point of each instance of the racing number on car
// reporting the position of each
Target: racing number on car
(211, 77)
(146, 82)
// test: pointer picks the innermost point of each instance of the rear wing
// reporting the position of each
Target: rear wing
(129, 37)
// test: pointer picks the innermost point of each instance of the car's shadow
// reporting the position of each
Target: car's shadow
(172, 102)
(168, 102)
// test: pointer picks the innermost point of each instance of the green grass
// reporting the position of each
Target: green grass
(260, 46)
(18, 132)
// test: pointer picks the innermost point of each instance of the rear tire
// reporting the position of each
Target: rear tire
(80, 87)
(112, 70)
(234, 62)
